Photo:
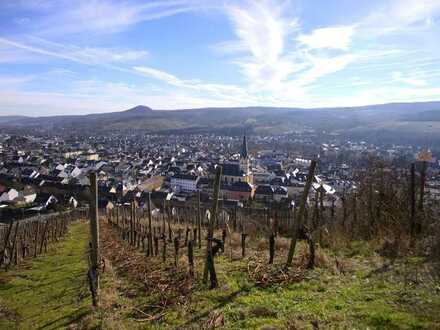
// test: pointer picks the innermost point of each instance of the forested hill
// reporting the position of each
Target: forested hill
(408, 120)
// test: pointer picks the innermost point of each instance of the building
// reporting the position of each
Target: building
(184, 182)
(280, 193)
(239, 191)
(264, 193)
(240, 171)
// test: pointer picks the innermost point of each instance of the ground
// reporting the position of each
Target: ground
(49, 292)
(356, 289)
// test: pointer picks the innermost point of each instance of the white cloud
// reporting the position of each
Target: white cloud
(398, 15)
(324, 66)
(101, 16)
(329, 37)
(83, 55)
(399, 77)
(214, 91)
(160, 75)
(13, 82)
(262, 30)
(273, 54)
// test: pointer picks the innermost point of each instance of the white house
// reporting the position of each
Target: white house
(280, 193)
(9, 196)
(184, 182)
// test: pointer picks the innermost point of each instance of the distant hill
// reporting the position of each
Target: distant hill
(407, 120)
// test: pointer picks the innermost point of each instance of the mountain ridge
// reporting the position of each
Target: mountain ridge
(391, 121)
(143, 109)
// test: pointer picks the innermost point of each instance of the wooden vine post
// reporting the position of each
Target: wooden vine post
(150, 227)
(209, 263)
(412, 201)
(199, 221)
(93, 273)
(298, 221)
(191, 258)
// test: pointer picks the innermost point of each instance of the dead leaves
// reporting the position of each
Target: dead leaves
(264, 274)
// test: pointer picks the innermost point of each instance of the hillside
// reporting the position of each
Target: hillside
(355, 288)
(387, 121)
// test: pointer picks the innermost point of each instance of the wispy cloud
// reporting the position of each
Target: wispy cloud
(221, 91)
(160, 75)
(262, 30)
(409, 80)
(83, 55)
(13, 82)
(276, 56)
(397, 15)
(100, 16)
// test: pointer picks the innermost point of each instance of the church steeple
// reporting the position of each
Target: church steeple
(245, 165)
(244, 148)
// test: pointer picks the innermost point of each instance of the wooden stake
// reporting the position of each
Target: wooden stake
(191, 257)
(298, 222)
(150, 227)
(412, 201)
(199, 221)
(209, 264)
(94, 231)
(271, 248)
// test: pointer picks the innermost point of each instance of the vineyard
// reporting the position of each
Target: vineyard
(31, 237)
(370, 261)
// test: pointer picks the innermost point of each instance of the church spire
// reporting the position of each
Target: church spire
(244, 148)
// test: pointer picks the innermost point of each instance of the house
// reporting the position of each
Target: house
(239, 191)
(263, 176)
(45, 200)
(184, 182)
(280, 193)
(264, 193)
(9, 196)
(158, 197)
(29, 195)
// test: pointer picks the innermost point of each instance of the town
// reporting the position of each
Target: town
(43, 174)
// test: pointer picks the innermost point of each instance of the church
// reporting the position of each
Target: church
(238, 171)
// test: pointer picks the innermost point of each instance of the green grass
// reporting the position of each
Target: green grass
(50, 291)
(333, 301)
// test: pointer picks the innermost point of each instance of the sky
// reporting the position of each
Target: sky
(91, 56)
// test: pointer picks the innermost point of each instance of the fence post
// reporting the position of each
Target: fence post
(94, 231)
(150, 228)
(422, 197)
(6, 242)
(298, 222)
(199, 221)
(209, 264)
(412, 196)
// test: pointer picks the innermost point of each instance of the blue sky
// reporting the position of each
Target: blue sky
(84, 56)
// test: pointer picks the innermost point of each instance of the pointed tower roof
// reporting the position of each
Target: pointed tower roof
(244, 148)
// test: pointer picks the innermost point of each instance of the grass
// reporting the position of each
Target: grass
(49, 292)
(358, 298)
(325, 299)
